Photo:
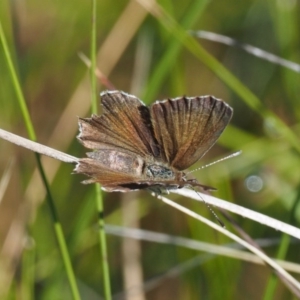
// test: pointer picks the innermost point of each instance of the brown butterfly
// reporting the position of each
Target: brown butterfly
(139, 147)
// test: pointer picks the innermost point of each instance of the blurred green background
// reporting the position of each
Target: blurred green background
(139, 55)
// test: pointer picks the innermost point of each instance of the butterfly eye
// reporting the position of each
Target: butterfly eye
(159, 172)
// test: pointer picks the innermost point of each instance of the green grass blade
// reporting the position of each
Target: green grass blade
(14, 77)
(32, 135)
(98, 194)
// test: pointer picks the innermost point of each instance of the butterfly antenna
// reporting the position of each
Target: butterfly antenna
(208, 165)
(217, 161)
(209, 208)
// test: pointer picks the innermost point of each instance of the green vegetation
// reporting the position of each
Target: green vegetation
(49, 242)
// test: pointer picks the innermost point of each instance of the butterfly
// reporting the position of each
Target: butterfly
(140, 147)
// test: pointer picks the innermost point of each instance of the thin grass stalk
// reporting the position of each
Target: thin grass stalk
(98, 194)
(282, 252)
(162, 68)
(31, 132)
(28, 269)
(273, 280)
(291, 282)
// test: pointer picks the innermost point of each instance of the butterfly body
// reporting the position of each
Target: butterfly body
(138, 147)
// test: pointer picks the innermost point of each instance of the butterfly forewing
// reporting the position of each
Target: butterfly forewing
(186, 128)
(124, 124)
